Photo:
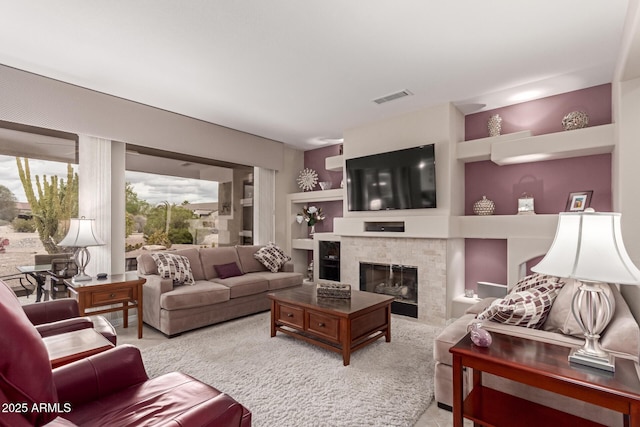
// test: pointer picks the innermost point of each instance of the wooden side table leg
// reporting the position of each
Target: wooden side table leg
(388, 334)
(273, 318)
(457, 391)
(125, 310)
(345, 334)
(139, 311)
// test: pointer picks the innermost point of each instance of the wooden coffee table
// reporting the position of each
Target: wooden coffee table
(340, 325)
(540, 365)
(71, 346)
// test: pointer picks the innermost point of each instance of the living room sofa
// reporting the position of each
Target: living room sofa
(621, 338)
(210, 299)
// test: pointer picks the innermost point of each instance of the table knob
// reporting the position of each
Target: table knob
(289, 314)
(112, 295)
(321, 324)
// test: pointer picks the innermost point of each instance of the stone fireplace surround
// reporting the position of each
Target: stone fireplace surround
(429, 255)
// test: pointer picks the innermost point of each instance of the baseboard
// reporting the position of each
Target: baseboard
(445, 407)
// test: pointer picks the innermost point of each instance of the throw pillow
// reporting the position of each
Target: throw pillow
(561, 317)
(528, 307)
(227, 270)
(174, 267)
(532, 281)
(272, 257)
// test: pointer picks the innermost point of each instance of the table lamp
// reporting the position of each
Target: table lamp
(588, 247)
(81, 236)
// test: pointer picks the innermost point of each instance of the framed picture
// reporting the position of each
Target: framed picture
(579, 201)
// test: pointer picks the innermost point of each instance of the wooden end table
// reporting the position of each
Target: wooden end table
(124, 289)
(540, 365)
(340, 325)
(71, 346)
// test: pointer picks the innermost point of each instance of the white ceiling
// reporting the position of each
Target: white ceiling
(302, 72)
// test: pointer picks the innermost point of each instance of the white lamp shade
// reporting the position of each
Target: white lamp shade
(81, 234)
(588, 246)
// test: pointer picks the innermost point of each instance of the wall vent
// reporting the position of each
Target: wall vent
(393, 96)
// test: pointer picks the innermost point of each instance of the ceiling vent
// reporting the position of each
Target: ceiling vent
(392, 97)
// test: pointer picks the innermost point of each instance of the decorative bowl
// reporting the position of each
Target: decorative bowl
(325, 185)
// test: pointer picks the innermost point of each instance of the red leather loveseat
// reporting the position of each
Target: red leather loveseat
(109, 389)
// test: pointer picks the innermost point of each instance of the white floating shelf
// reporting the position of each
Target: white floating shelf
(480, 149)
(302, 244)
(317, 196)
(507, 226)
(522, 147)
(334, 163)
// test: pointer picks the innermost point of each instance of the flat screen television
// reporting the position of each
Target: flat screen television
(402, 179)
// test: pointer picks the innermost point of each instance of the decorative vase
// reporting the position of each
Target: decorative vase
(484, 206)
(312, 230)
(495, 125)
(479, 336)
(575, 120)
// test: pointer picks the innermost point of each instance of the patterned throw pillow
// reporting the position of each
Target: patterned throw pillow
(528, 304)
(175, 267)
(272, 257)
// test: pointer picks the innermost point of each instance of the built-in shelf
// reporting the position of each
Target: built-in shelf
(447, 227)
(317, 196)
(306, 244)
(521, 147)
(246, 202)
(334, 163)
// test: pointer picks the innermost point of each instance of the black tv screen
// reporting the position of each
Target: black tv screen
(403, 179)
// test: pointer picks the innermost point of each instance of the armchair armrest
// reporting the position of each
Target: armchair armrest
(96, 376)
(51, 311)
(62, 326)
(220, 411)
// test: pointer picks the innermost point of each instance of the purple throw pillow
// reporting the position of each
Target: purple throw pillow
(228, 270)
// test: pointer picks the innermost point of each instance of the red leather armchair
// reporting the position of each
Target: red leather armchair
(108, 389)
(60, 316)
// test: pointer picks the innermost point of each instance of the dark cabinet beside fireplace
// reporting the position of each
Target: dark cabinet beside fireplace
(329, 260)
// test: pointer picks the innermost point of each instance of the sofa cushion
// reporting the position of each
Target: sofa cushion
(527, 305)
(230, 269)
(174, 267)
(272, 257)
(248, 263)
(247, 284)
(561, 318)
(202, 293)
(281, 280)
(210, 257)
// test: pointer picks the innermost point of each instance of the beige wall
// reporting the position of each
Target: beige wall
(442, 125)
(285, 184)
(38, 101)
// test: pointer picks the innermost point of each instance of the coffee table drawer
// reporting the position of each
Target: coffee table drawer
(114, 296)
(292, 316)
(324, 325)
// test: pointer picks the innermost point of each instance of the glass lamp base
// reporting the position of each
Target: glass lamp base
(81, 277)
(605, 363)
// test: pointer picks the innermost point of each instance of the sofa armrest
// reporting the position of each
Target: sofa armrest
(221, 411)
(287, 267)
(96, 376)
(480, 306)
(157, 283)
(51, 311)
(62, 326)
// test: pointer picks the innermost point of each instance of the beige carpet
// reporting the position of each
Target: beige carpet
(286, 382)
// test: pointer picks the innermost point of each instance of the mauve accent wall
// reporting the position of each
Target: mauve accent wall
(315, 159)
(485, 260)
(544, 115)
(550, 183)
